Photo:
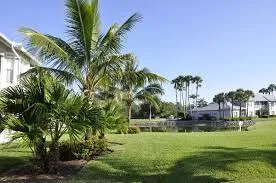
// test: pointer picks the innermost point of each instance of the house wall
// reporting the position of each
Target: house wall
(255, 106)
(215, 113)
(20, 65)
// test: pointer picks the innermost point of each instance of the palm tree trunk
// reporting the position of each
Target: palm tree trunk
(150, 112)
(240, 109)
(186, 92)
(176, 100)
(232, 110)
(129, 114)
(223, 110)
(183, 102)
(219, 111)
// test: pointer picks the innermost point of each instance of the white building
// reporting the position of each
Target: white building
(14, 60)
(257, 105)
(262, 104)
(212, 109)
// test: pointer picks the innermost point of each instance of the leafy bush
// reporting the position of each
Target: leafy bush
(264, 116)
(133, 130)
(242, 118)
(82, 150)
(159, 129)
(272, 116)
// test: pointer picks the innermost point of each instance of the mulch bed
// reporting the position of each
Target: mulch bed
(66, 169)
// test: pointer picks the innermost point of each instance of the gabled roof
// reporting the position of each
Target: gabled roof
(260, 97)
(18, 47)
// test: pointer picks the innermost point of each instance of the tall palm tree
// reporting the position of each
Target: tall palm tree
(188, 80)
(89, 58)
(219, 99)
(230, 96)
(175, 82)
(197, 80)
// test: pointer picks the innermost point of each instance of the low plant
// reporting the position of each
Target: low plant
(133, 130)
(87, 149)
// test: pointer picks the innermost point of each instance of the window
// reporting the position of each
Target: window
(250, 113)
(236, 114)
(10, 70)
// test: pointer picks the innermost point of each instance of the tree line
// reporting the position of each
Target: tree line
(238, 97)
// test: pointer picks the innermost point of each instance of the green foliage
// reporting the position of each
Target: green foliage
(82, 150)
(133, 130)
(159, 129)
(167, 109)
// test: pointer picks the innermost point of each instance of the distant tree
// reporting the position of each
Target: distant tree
(231, 96)
(193, 96)
(271, 88)
(197, 80)
(241, 98)
(202, 102)
(263, 91)
(219, 99)
(167, 109)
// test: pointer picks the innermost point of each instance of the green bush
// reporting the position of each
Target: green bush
(264, 116)
(82, 150)
(133, 130)
(272, 116)
(122, 130)
(159, 129)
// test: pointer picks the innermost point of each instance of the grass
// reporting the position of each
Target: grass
(189, 157)
(179, 157)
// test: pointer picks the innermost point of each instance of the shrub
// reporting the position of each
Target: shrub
(133, 130)
(122, 130)
(242, 118)
(264, 116)
(159, 129)
(272, 116)
(82, 150)
(207, 117)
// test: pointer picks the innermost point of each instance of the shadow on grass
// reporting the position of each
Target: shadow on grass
(199, 167)
(8, 162)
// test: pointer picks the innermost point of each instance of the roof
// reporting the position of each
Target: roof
(214, 107)
(19, 47)
(260, 97)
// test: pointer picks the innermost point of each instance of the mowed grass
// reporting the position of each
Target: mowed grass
(177, 157)
(188, 157)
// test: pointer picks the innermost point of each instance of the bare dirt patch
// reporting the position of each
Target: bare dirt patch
(66, 169)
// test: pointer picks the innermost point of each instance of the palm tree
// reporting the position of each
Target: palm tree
(263, 91)
(248, 94)
(230, 96)
(197, 80)
(89, 58)
(39, 107)
(175, 82)
(202, 102)
(136, 92)
(271, 88)
(193, 96)
(219, 99)
(240, 97)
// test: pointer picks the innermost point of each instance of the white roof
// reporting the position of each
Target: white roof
(19, 47)
(261, 97)
(214, 107)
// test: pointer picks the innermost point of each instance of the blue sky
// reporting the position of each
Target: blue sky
(231, 44)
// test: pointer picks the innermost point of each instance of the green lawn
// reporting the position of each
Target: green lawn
(180, 157)
(189, 157)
